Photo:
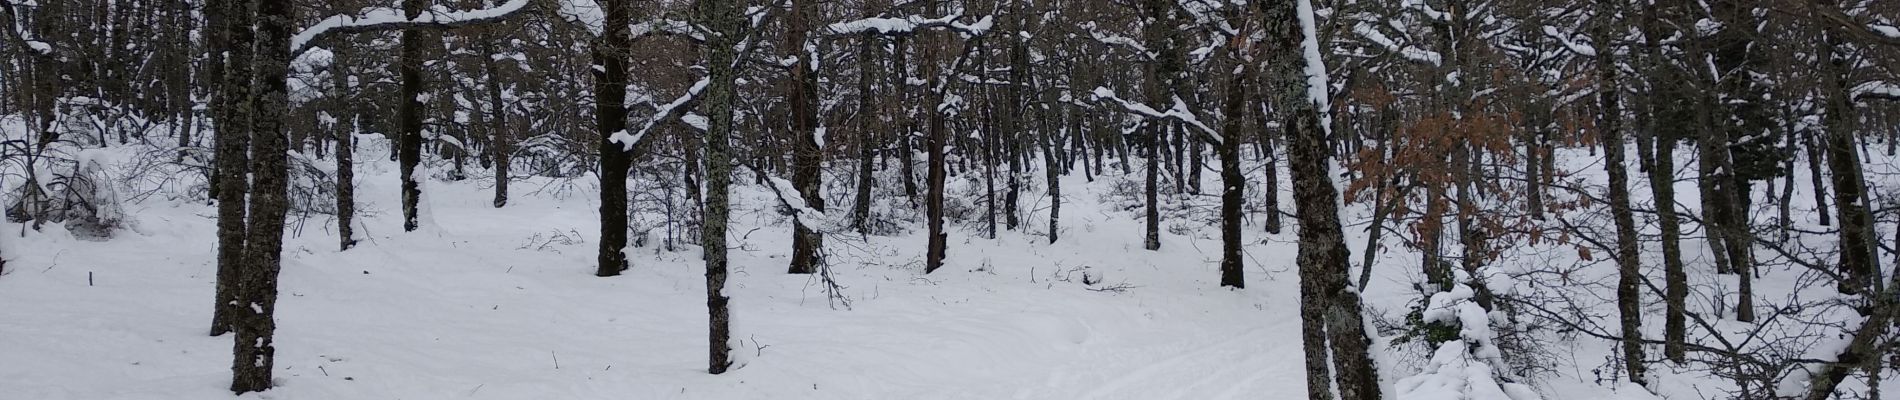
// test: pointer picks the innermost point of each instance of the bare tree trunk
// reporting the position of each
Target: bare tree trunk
(233, 112)
(723, 17)
(257, 286)
(806, 153)
(345, 130)
(610, 88)
(934, 141)
(1330, 310)
(409, 114)
(1857, 263)
(900, 81)
(1666, 126)
(501, 136)
(1233, 182)
(1629, 298)
(1815, 177)
(867, 138)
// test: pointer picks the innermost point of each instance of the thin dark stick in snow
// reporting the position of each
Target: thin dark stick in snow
(557, 360)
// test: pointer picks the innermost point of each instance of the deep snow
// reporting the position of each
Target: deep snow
(501, 304)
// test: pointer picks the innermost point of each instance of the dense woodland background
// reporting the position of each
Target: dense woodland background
(1476, 137)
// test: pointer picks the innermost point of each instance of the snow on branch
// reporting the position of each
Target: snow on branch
(1889, 31)
(1179, 112)
(1316, 82)
(910, 24)
(665, 112)
(1877, 90)
(801, 212)
(1564, 38)
(1113, 40)
(669, 27)
(1410, 52)
(387, 18)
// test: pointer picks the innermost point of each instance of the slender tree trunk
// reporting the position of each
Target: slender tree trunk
(501, 135)
(1233, 182)
(233, 165)
(251, 366)
(934, 142)
(1629, 298)
(1857, 263)
(807, 154)
(1330, 310)
(345, 157)
(723, 17)
(900, 81)
(409, 114)
(1816, 178)
(610, 88)
(867, 137)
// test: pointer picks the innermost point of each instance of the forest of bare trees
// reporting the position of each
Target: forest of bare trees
(1521, 159)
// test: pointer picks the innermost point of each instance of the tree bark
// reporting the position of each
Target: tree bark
(501, 138)
(723, 17)
(233, 107)
(1233, 182)
(345, 129)
(1330, 310)
(934, 142)
(1857, 262)
(1629, 298)
(252, 363)
(610, 92)
(409, 114)
(806, 153)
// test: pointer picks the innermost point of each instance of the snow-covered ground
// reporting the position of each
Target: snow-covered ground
(490, 303)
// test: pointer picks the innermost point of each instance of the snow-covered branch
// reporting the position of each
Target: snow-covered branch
(1115, 40)
(909, 25)
(1877, 90)
(1409, 52)
(667, 111)
(1564, 38)
(669, 27)
(387, 18)
(1179, 112)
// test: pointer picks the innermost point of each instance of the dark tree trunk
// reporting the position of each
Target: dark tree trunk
(1665, 123)
(1629, 298)
(610, 88)
(257, 285)
(1816, 178)
(933, 197)
(1330, 310)
(409, 114)
(1857, 262)
(723, 17)
(1233, 182)
(807, 243)
(900, 81)
(345, 130)
(501, 137)
(867, 136)
(233, 165)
